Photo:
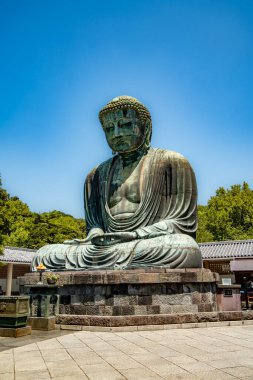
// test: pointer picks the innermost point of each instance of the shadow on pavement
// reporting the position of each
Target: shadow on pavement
(7, 343)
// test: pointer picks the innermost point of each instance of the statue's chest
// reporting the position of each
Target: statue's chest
(124, 184)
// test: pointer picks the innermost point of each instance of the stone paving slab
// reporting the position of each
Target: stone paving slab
(219, 353)
(36, 336)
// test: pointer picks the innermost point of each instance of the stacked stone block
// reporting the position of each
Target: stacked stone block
(135, 292)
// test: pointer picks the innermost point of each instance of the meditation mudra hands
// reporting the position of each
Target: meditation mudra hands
(94, 232)
(113, 238)
(99, 238)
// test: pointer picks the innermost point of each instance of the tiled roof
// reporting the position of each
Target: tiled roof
(227, 249)
(17, 255)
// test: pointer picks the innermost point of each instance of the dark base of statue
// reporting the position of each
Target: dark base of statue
(135, 297)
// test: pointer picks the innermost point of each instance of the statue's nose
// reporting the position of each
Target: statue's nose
(117, 130)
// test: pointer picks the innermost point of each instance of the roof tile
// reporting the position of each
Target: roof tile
(17, 255)
(227, 249)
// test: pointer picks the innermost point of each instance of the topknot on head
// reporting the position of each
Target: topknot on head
(124, 102)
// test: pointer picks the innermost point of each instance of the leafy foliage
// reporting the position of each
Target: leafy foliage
(228, 215)
(21, 227)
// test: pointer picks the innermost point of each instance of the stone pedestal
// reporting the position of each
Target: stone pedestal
(41, 323)
(15, 332)
(139, 292)
(129, 293)
(44, 300)
(14, 311)
(229, 297)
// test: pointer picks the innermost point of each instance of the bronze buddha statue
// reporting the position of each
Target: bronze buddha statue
(140, 205)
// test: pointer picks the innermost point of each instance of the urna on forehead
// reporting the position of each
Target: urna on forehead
(125, 102)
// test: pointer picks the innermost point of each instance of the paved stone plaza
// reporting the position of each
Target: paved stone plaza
(190, 353)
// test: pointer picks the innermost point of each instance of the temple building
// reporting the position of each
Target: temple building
(231, 259)
(14, 263)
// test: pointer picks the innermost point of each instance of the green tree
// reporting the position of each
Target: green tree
(228, 215)
(203, 235)
(55, 227)
(4, 196)
(21, 227)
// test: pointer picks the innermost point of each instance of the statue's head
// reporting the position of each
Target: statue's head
(127, 124)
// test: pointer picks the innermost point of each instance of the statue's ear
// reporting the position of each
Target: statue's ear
(148, 133)
(148, 124)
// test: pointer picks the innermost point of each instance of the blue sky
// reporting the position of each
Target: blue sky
(190, 62)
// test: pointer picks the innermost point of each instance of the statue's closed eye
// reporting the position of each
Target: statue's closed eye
(129, 124)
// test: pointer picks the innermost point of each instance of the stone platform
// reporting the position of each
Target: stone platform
(155, 321)
(15, 332)
(42, 323)
(139, 292)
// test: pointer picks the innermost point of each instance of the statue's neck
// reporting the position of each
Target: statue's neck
(129, 158)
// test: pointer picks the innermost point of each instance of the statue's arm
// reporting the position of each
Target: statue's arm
(158, 229)
(164, 227)
(92, 207)
(177, 198)
(96, 231)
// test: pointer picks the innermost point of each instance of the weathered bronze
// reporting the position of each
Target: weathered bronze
(140, 205)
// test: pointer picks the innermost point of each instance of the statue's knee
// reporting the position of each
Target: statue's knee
(187, 241)
(178, 240)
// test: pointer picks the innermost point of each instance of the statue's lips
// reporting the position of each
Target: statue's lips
(119, 141)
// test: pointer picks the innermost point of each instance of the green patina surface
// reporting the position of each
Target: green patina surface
(140, 205)
(13, 311)
(44, 300)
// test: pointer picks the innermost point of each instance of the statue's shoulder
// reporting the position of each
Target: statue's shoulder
(169, 155)
(99, 169)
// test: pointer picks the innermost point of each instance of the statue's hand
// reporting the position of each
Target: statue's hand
(113, 238)
(75, 241)
(95, 232)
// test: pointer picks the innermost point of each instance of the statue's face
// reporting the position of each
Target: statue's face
(123, 130)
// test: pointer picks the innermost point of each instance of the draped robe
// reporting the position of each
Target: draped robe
(165, 221)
